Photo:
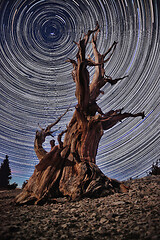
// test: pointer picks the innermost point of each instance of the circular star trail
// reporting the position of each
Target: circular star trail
(37, 87)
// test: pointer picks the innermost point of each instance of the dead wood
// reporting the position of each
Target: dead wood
(70, 169)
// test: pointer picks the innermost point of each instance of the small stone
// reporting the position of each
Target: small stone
(118, 203)
(93, 215)
(103, 220)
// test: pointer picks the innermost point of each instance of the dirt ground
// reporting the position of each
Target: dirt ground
(133, 215)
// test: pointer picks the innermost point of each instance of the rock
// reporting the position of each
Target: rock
(118, 216)
(118, 203)
(103, 220)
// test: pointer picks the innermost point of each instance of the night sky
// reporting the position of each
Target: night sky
(37, 87)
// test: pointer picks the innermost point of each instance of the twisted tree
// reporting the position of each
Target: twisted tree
(70, 169)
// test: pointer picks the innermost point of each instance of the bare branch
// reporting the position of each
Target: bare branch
(76, 43)
(40, 127)
(113, 81)
(72, 61)
(113, 117)
(60, 138)
(95, 35)
(98, 80)
(113, 45)
(48, 128)
(86, 37)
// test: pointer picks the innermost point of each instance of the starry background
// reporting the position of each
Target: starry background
(37, 87)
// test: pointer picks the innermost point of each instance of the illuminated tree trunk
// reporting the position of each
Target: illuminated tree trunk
(70, 169)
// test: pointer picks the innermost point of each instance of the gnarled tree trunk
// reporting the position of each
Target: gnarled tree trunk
(70, 169)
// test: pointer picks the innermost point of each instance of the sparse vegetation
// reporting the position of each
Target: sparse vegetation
(12, 186)
(24, 184)
(155, 169)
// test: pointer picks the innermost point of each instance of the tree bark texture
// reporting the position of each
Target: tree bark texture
(70, 169)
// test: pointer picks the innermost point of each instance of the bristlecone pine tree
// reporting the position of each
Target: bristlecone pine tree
(69, 169)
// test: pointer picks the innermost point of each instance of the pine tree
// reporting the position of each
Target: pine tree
(70, 169)
(5, 173)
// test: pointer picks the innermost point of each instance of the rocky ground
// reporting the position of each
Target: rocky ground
(135, 215)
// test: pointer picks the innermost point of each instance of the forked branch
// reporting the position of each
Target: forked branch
(113, 117)
(98, 79)
(41, 135)
(48, 128)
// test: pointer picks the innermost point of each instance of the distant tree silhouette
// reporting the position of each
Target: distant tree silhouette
(5, 173)
(24, 184)
(155, 169)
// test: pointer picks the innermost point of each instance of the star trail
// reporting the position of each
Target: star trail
(37, 87)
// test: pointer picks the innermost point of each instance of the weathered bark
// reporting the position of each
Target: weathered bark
(70, 169)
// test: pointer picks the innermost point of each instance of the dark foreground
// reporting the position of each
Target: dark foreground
(135, 215)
